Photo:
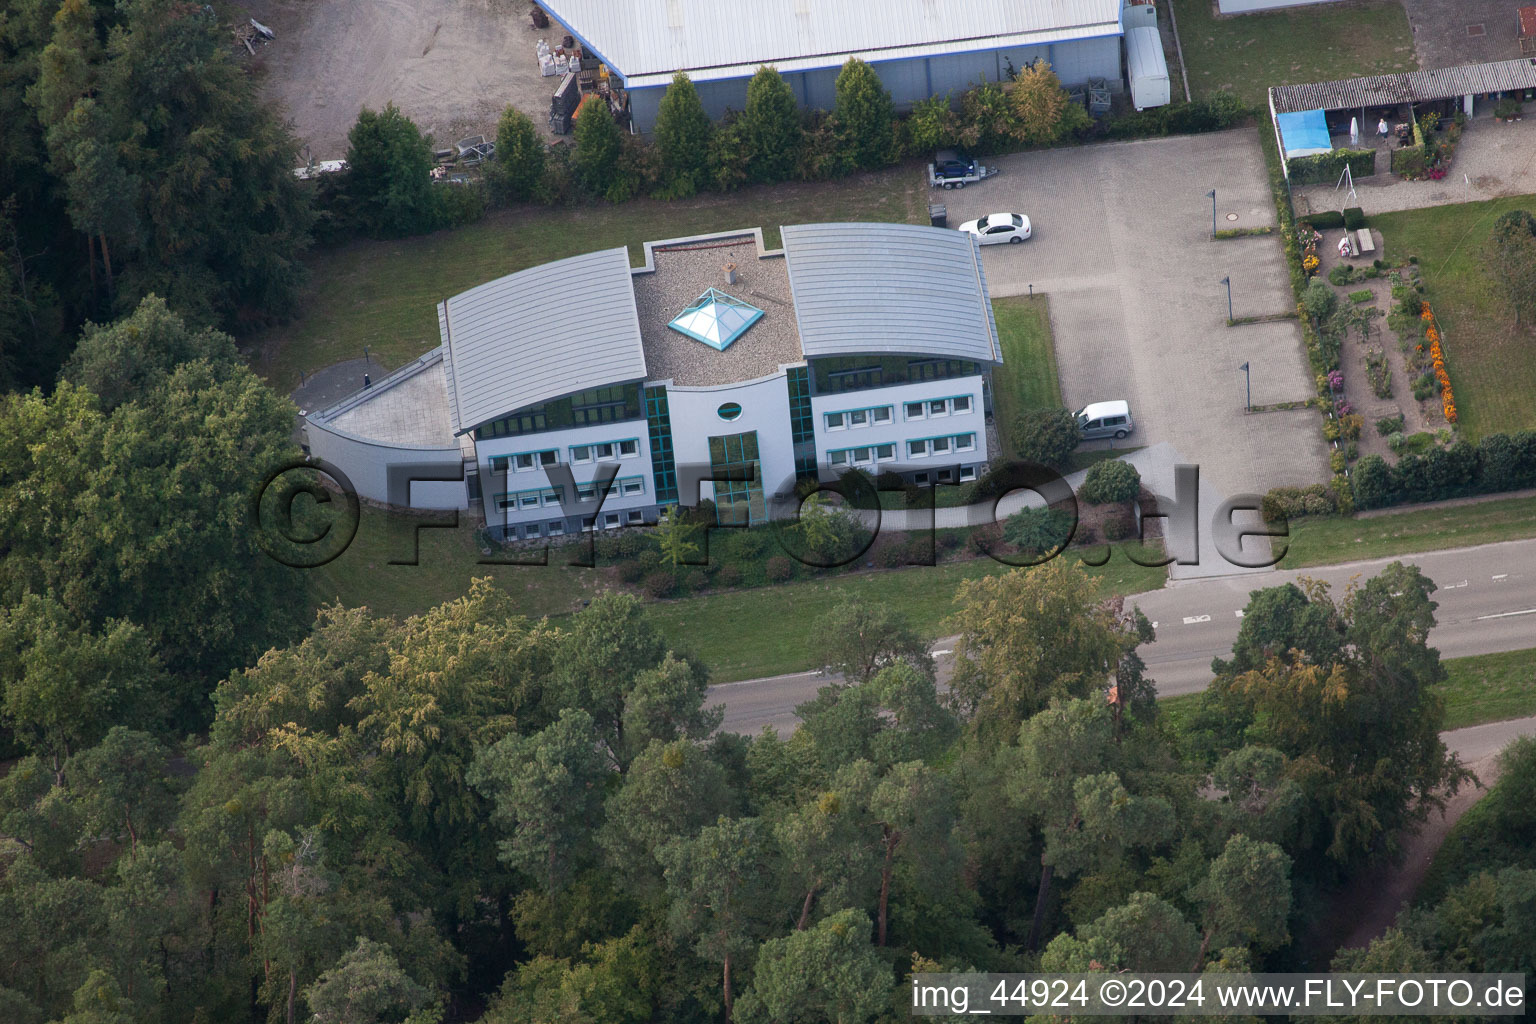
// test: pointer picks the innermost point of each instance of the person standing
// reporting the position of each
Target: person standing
(1381, 129)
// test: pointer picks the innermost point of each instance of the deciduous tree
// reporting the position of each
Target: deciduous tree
(1044, 115)
(1510, 257)
(828, 974)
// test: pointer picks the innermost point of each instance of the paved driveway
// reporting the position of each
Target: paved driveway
(1122, 246)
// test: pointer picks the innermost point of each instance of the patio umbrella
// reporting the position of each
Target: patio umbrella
(1354, 132)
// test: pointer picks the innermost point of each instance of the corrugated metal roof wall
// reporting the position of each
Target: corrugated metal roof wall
(866, 288)
(721, 38)
(1414, 87)
(539, 334)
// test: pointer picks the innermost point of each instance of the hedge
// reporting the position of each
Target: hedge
(1497, 463)
(1322, 221)
(1220, 112)
(1327, 168)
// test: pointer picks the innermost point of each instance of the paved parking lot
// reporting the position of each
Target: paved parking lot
(1122, 245)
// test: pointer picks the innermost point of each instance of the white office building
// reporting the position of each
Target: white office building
(866, 346)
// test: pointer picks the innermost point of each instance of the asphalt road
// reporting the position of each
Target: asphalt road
(1486, 598)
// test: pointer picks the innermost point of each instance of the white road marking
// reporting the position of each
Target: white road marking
(1506, 615)
(937, 653)
(1190, 620)
(1450, 586)
(1502, 576)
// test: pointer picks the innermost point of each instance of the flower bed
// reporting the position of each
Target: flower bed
(1437, 360)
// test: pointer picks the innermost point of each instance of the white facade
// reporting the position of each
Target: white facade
(519, 512)
(850, 422)
(695, 415)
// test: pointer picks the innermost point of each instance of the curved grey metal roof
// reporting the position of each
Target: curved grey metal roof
(864, 288)
(540, 334)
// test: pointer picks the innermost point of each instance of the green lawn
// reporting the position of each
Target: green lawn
(762, 632)
(448, 559)
(1248, 53)
(1485, 688)
(1027, 378)
(385, 294)
(1492, 364)
(1489, 688)
(1333, 540)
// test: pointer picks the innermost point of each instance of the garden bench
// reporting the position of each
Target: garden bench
(1366, 244)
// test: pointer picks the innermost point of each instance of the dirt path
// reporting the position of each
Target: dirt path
(1371, 905)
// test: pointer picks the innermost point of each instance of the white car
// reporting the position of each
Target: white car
(998, 227)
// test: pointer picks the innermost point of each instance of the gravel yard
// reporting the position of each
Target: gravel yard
(451, 65)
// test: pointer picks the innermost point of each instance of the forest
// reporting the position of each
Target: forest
(221, 804)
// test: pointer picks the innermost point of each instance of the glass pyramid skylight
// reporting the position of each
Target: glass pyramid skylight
(717, 319)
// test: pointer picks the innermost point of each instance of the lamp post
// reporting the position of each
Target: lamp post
(1212, 194)
(1248, 378)
(1228, 282)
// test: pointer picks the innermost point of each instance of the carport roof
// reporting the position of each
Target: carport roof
(540, 334)
(1413, 87)
(903, 288)
(645, 41)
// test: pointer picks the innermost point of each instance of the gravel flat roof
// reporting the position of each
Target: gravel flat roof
(683, 273)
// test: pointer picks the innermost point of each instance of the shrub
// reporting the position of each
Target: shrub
(1043, 113)
(1337, 462)
(1046, 436)
(892, 555)
(659, 584)
(632, 571)
(1323, 221)
(1350, 425)
(1327, 168)
(1373, 483)
(1343, 274)
(1298, 502)
(1110, 481)
(1390, 425)
(1354, 218)
(729, 576)
(778, 569)
(695, 579)
(1364, 295)
(1508, 108)
(1510, 259)
(1038, 531)
(1319, 300)
(1119, 526)
(1508, 461)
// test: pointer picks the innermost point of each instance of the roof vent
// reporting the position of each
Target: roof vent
(716, 319)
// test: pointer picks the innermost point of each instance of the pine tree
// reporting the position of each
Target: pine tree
(864, 116)
(682, 135)
(598, 147)
(771, 127)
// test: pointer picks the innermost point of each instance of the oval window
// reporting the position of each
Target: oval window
(729, 411)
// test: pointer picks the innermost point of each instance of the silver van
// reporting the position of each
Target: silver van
(1105, 419)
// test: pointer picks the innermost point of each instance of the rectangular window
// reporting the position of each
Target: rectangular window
(549, 458)
(965, 442)
(967, 473)
(940, 445)
(919, 478)
(528, 499)
(604, 450)
(938, 408)
(916, 411)
(610, 520)
(838, 458)
(586, 522)
(917, 449)
(835, 421)
(881, 414)
(945, 476)
(629, 449)
(523, 463)
(632, 485)
(961, 403)
(581, 453)
(555, 529)
(858, 418)
(885, 452)
(634, 517)
(586, 492)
